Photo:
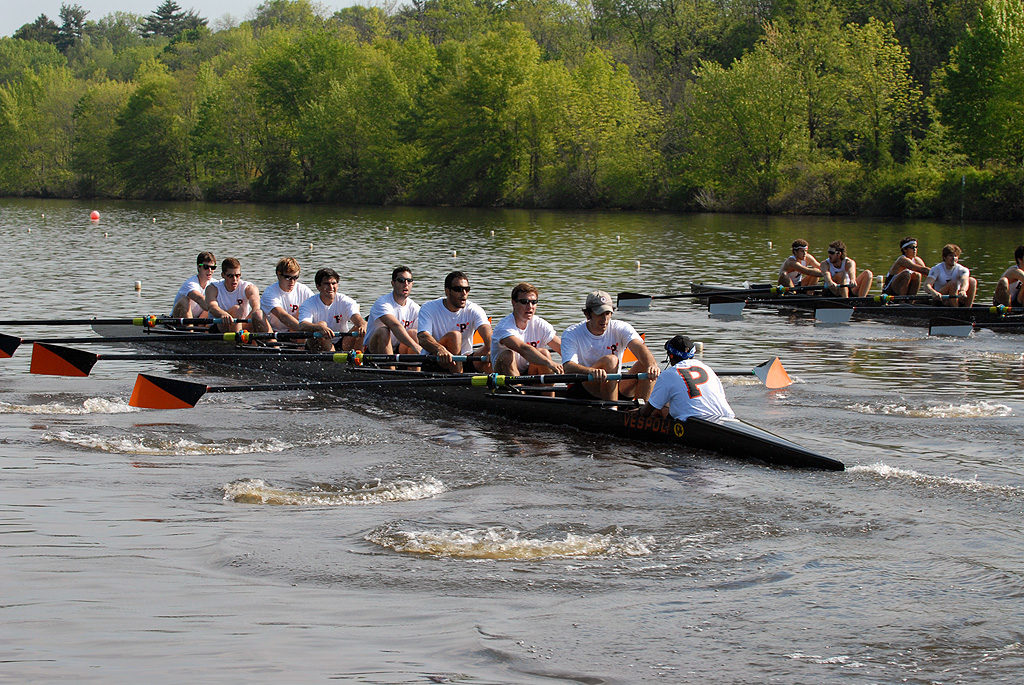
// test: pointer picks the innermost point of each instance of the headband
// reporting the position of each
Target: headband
(909, 243)
(676, 353)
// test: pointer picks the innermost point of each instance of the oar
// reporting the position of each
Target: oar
(144, 321)
(56, 360)
(726, 305)
(158, 392)
(9, 344)
(962, 329)
(770, 373)
(641, 301)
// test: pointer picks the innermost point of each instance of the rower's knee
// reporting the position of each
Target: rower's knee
(452, 341)
(379, 342)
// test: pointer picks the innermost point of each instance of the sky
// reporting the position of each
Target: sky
(13, 14)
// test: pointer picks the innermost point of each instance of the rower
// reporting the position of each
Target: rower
(688, 388)
(281, 301)
(800, 268)
(522, 341)
(232, 298)
(447, 324)
(596, 345)
(1010, 288)
(329, 311)
(905, 274)
(391, 324)
(190, 302)
(839, 273)
(949, 277)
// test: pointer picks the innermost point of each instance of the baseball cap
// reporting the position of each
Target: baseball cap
(599, 302)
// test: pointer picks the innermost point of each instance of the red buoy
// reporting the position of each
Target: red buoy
(95, 216)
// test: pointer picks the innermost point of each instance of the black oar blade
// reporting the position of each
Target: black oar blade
(55, 360)
(156, 392)
(633, 301)
(8, 346)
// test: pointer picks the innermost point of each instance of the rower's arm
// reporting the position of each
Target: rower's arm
(358, 323)
(391, 322)
(485, 334)
(199, 299)
(290, 322)
(253, 294)
(213, 306)
(428, 343)
(527, 351)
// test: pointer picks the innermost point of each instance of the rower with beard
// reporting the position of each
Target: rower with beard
(392, 322)
(839, 274)
(950, 277)
(905, 274)
(329, 311)
(596, 345)
(1010, 288)
(522, 341)
(446, 326)
(688, 387)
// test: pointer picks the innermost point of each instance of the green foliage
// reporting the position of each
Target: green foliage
(169, 20)
(42, 30)
(92, 153)
(19, 57)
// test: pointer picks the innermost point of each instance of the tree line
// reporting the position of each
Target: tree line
(897, 107)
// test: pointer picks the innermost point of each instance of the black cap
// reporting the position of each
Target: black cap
(679, 345)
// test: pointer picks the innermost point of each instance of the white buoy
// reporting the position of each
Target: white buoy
(698, 347)
(30, 230)
(138, 285)
(296, 224)
(492, 233)
(638, 265)
(618, 238)
(387, 229)
(222, 222)
(311, 246)
(154, 219)
(104, 234)
(769, 244)
(455, 253)
(43, 216)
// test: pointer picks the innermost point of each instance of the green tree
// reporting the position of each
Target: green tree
(91, 157)
(288, 14)
(72, 26)
(42, 29)
(169, 20)
(18, 56)
(148, 147)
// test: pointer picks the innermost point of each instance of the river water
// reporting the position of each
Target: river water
(301, 537)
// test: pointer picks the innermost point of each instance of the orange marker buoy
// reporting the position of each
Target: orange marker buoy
(94, 215)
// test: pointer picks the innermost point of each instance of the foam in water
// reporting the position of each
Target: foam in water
(972, 484)
(164, 446)
(502, 543)
(257, 491)
(93, 405)
(981, 409)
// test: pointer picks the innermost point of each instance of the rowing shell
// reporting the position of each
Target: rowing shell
(731, 437)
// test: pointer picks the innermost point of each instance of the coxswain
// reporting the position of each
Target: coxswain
(391, 324)
(190, 302)
(522, 341)
(596, 345)
(950, 277)
(446, 326)
(800, 269)
(839, 273)
(232, 298)
(281, 301)
(689, 387)
(329, 311)
(905, 274)
(1010, 288)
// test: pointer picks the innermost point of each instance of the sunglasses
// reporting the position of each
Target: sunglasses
(290, 278)
(836, 251)
(459, 288)
(403, 280)
(208, 266)
(233, 275)
(523, 300)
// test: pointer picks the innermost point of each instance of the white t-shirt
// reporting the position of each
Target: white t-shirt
(691, 388)
(192, 286)
(226, 300)
(438, 320)
(538, 333)
(405, 314)
(942, 275)
(273, 296)
(337, 315)
(581, 346)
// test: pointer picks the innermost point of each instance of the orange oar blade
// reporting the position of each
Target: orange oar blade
(8, 345)
(156, 392)
(772, 374)
(54, 360)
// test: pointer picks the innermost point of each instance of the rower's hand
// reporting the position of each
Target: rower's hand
(324, 330)
(444, 359)
(652, 371)
(360, 329)
(599, 375)
(556, 368)
(227, 319)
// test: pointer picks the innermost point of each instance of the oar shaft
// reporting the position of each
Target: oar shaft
(145, 321)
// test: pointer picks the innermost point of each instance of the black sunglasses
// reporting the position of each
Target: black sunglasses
(523, 300)
(403, 280)
(459, 288)
(208, 266)
(290, 278)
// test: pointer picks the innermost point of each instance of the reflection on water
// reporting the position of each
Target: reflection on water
(377, 540)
